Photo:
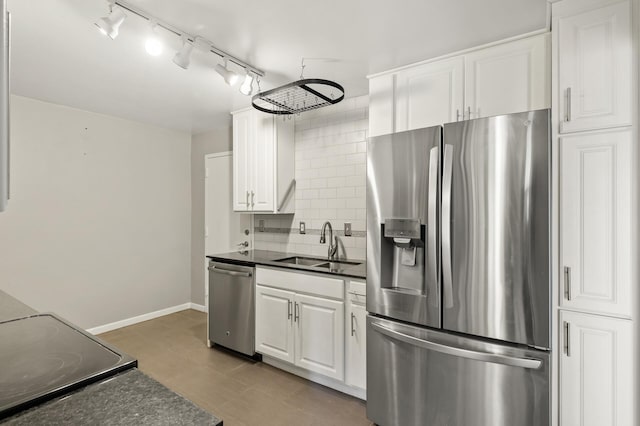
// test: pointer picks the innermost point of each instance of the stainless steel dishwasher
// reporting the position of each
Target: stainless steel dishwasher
(232, 307)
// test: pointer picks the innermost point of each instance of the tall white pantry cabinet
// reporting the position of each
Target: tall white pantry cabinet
(595, 142)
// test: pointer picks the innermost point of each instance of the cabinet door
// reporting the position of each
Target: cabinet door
(356, 374)
(320, 335)
(596, 374)
(429, 94)
(242, 129)
(595, 72)
(511, 77)
(262, 188)
(596, 221)
(274, 319)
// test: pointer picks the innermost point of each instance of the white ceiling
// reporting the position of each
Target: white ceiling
(59, 56)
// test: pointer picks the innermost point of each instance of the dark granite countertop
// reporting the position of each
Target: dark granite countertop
(267, 258)
(130, 398)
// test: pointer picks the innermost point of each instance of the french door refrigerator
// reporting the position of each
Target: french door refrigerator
(458, 274)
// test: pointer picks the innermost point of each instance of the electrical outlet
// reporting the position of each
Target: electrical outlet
(261, 225)
(347, 229)
(303, 228)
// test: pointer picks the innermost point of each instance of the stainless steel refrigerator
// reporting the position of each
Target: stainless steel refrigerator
(458, 274)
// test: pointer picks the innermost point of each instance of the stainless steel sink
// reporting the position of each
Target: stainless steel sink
(299, 260)
(317, 263)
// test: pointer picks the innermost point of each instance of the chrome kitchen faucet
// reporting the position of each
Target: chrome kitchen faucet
(333, 248)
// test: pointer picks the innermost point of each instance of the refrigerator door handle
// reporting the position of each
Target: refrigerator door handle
(432, 221)
(447, 176)
(530, 363)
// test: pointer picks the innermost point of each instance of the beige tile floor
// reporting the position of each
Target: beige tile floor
(172, 349)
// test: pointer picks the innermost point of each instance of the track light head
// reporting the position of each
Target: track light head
(153, 45)
(229, 76)
(246, 88)
(183, 57)
(110, 24)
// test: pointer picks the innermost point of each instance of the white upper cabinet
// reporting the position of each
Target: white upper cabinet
(594, 56)
(241, 138)
(502, 79)
(510, 77)
(596, 371)
(596, 222)
(429, 94)
(263, 163)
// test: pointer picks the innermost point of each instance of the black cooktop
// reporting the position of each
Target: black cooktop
(42, 356)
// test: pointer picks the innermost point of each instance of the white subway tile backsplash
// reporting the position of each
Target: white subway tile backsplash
(336, 182)
(346, 192)
(328, 193)
(319, 183)
(330, 154)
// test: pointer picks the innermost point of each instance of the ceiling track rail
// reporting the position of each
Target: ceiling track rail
(194, 39)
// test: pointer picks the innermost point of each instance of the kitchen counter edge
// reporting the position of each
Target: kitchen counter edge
(268, 258)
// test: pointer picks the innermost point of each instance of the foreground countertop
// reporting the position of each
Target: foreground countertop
(268, 258)
(127, 398)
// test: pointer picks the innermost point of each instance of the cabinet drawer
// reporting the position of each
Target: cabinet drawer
(357, 292)
(301, 282)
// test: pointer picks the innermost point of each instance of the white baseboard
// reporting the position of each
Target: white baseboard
(317, 378)
(197, 307)
(144, 317)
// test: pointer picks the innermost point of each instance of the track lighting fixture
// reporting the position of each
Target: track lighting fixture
(183, 57)
(153, 45)
(110, 24)
(246, 88)
(229, 76)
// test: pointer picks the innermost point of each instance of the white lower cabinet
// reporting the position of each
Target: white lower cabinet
(305, 320)
(274, 326)
(596, 370)
(319, 335)
(357, 345)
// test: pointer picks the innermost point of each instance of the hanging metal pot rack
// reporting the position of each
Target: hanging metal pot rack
(299, 96)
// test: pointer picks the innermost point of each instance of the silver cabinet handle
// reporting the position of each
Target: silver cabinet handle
(458, 115)
(566, 338)
(432, 222)
(468, 113)
(567, 283)
(252, 197)
(228, 272)
(447, 177)
(531, 363)
(289, 314)
(296, 312)
(353, 330)
(567, 117)
(247, 199)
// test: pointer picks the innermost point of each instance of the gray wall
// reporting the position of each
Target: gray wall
(218, 140)
(98, 226)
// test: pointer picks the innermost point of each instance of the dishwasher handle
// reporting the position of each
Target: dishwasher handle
(228, 272)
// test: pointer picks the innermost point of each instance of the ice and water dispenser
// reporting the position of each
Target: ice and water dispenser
(403, 254)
